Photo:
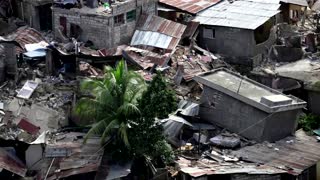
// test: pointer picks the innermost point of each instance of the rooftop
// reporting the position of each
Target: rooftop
(244, 14)
(190, 6)
(99, 11)
(293, 154)
(246, 90)
(296, 2)
(157, 32)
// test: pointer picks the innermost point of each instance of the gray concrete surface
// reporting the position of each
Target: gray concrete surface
(242, 112)
(99, 27)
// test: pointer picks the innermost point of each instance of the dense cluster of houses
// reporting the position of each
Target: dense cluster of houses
(233, 65)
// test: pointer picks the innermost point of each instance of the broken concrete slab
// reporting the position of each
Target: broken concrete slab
(27, 90)
(281, 53)
(225, 141)
(203, 138)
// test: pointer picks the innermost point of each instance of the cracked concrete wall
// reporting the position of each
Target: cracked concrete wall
(239, 117)
(228, 41)
(101, 29)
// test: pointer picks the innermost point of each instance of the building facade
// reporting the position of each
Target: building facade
(104, 30)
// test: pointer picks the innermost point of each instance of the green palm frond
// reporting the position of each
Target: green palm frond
(87, 107)
(123, 133)
(128, 110)
(114, 124)
(96, 129)
(114, 102)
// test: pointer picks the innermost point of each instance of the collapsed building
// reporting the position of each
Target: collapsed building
(221, 116)
(104, 26)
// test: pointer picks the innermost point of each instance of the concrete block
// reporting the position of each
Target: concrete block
(275, 100)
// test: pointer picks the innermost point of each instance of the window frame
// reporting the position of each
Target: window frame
(131, 15)
(206, 33)
(118, 20)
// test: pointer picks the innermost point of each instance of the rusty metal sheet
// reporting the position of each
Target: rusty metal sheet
(157, 32)
(12, 163)
(191, 29)
(207, 167)
(190, 6)
(295, 154)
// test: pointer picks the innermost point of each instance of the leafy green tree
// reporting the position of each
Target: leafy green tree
(113, 102)
(309, 122)
(158, 101)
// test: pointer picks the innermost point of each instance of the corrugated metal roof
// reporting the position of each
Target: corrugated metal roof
(293, 154)
(157, 32)
(296, 2)
(191, 29)
(206, 167)
(190, 6)
(11, 163)
(24, 35)
(242, 14)
(151, 39)
(84, 158)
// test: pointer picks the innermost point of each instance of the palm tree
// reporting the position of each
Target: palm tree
(113, 102)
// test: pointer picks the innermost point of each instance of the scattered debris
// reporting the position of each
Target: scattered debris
(227, 141)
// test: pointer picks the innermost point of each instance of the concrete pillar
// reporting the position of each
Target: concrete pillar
(11, 60)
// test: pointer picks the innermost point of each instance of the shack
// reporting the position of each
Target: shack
(239, 29)
(246, 107)
(293, 11)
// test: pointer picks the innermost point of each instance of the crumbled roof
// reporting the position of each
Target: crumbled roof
(22, 36)
(304, 70)
(145, 59)
(296, 2)
(190, 6)
(244, 14)
(157, 32)
(83, 158)
(293, 154)
(207, 167)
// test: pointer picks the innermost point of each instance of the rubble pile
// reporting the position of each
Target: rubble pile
(223, 120)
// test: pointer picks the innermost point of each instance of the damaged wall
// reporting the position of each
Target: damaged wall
(242, 118)
(235, 42)
(227, 41)
(37, 14)
(101, 29)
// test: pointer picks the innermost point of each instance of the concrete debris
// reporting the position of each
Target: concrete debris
(227, 141)
(40, 74)
(188, 108)
(27, 90)
(202, 138)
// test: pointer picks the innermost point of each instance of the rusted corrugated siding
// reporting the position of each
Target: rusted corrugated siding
(192, 6)
(292, 154)
(150, 23)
